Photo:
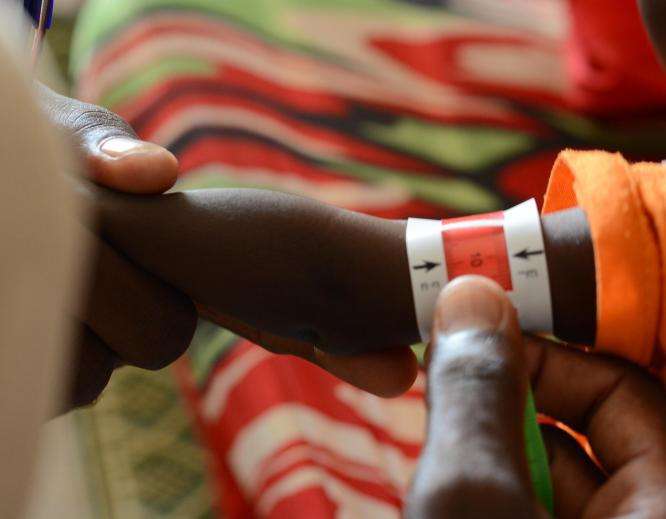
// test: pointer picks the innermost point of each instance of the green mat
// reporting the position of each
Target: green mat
(141, 457)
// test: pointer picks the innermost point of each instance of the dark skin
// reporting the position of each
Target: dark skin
(473, 461)
(570, 257)
(114, 329)
(311, 273)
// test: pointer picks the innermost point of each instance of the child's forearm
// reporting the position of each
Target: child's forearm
(281, 263)
(300, 269)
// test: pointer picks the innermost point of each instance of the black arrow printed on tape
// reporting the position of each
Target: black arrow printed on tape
(427, 266)
(525, 254)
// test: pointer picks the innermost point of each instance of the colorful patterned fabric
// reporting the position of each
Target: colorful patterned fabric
(292, 441)
(390, 107)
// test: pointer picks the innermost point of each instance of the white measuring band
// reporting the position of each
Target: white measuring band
(529, 272)
(425, 248)
(525, 252)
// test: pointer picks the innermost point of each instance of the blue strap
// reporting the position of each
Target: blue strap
(34, 7)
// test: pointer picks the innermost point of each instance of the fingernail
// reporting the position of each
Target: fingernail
(471, 302)
(117, 147)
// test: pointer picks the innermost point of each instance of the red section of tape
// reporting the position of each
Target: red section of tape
(476, 245)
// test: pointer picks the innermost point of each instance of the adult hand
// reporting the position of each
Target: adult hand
(473, 463)
(112, 155)
(128, 315)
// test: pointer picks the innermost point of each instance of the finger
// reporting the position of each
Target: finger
(473, 462)
(386, 374)
(618, 407)
(112, 153)
(145, 322)
(90, 370)
(130, 165)
(575, 477)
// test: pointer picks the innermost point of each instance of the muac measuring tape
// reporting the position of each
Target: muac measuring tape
(504, 246)
(508, 248)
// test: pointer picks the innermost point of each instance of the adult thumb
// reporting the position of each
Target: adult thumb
(473, 463)
(112, 154)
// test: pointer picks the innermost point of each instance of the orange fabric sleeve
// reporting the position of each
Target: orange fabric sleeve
(628, 264)
(651, 179)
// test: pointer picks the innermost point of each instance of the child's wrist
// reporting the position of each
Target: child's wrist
(571, 269)
(569, 262)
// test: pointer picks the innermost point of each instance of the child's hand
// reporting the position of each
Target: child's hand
(473, 463)
(128, 317)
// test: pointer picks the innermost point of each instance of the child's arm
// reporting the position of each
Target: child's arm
(284, 264)
(307, 271)
(571, 270)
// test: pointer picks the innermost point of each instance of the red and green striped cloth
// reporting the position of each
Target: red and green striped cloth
(394, 108)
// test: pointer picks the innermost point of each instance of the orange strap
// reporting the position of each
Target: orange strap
(628, 264)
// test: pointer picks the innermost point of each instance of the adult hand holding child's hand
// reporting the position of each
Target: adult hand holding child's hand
(133, 317)
(129, 316)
